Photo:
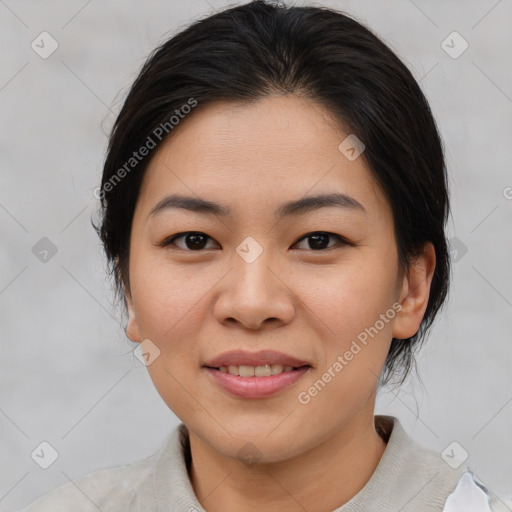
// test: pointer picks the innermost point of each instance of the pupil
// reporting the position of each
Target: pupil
(195, 241)
(319, 241)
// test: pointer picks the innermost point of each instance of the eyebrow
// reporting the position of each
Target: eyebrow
(290, 208)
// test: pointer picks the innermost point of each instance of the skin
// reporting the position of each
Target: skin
(196, 304)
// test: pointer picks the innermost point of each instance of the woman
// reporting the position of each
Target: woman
(274, 201)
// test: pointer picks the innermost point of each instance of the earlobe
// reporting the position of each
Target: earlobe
(415, 293)
(132, 328)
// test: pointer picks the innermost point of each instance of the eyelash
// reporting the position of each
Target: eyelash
(343, 241)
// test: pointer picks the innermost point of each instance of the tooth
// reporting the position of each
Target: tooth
(263, 371)
(246, 371)
(276, 369)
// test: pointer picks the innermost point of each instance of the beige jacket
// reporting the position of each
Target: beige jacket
(408, 478)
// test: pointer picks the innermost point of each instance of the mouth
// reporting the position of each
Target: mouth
(262, 374)
(260, 371)
(252, 382)
(262, 363)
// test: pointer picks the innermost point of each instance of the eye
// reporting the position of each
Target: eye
(194, 240)
(318, 240)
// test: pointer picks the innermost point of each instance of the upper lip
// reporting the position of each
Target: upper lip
(260, 358)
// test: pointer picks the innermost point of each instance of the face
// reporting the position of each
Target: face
(254, 276)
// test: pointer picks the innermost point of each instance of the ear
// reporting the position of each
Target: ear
(132, 329)
(415, 292)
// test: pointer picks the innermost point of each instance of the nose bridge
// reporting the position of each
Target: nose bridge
(252, 264)
(254, 292)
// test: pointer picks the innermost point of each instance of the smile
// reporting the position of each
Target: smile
(256, 381)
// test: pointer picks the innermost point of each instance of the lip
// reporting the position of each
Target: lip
(256, 387)
(242, 357)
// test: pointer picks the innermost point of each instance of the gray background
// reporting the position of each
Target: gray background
(68, 375)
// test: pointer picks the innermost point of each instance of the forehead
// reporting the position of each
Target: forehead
(257, 153)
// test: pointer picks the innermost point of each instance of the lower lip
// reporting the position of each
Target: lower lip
(256, 387)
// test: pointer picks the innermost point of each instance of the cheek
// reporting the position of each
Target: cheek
(356, 342)
(166, 298)
(350, 297)
(167, 305)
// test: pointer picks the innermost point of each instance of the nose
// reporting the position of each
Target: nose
(255, 294)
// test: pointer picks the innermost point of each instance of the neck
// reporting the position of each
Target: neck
(322, 479)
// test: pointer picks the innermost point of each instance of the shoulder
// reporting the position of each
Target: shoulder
(108, 490)
(142, 485)
(420, 479)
